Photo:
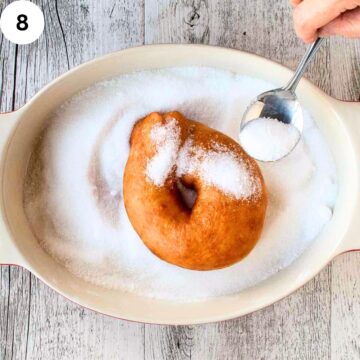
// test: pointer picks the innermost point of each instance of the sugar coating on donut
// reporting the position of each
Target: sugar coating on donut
(167, 141)
(219, 166)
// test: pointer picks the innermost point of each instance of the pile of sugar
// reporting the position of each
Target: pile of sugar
(268, 139)
(219, 166)
(99, 244)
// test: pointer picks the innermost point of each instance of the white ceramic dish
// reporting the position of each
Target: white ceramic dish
(338, 121)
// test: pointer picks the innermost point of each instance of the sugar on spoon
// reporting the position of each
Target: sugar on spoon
(272, 125)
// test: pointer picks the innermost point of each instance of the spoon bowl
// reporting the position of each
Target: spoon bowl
(272, 125)
(279, 104)
(273, 114)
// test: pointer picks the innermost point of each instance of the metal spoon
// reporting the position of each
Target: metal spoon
(280, 104)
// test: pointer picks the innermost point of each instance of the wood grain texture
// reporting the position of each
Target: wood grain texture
(60, 329)
(320, 321)
(345, 309)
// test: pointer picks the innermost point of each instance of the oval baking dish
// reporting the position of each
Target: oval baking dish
(339, 123)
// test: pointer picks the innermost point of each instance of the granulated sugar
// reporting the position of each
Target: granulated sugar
(268, 139)
(73, 190)
(219, 166)
(167, 142)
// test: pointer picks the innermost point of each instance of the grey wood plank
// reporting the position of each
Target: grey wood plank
(60, 329)
(93, 28)
(16, 325)
(7, 73)
(42, 61)
(345, 68)
(169, 342)
(345, 314)
(4, 308)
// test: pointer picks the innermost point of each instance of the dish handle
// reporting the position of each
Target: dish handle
(9, 255)
(351, 113)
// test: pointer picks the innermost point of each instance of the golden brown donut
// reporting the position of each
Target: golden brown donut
(219, 230)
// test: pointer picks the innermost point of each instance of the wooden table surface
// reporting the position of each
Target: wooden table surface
(319, 321)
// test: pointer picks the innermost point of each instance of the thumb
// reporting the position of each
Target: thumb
(347, 24)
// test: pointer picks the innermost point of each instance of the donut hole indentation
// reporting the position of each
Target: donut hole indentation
(187, 194)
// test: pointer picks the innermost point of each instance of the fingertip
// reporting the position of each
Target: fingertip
(307, 37)
(311, 39)
(308, 40)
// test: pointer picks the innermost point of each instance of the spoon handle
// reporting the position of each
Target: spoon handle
(310, 52)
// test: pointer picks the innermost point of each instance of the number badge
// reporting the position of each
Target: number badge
(22, 22)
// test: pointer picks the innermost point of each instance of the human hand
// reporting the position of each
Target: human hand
(313, 18)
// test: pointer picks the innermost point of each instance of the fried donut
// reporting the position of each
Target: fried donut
(223, 224)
